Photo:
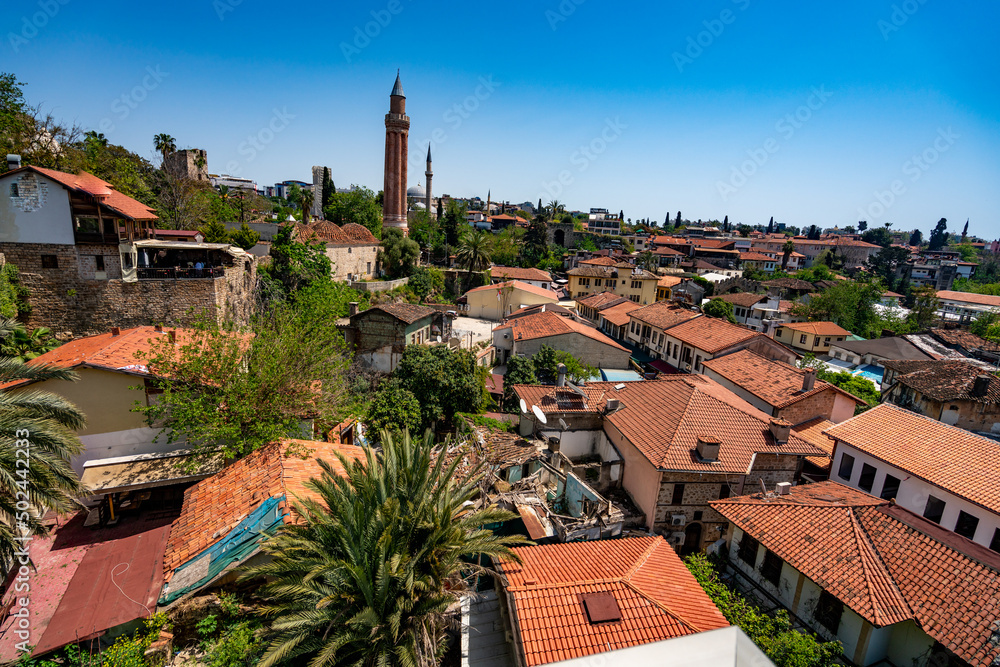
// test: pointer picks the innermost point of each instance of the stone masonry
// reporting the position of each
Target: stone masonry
(71, 299)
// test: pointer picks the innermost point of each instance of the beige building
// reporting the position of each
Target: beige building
(815, 337)
(954, 392)
(622, 279)
(525, 336)
(352, 249)
(496, 302)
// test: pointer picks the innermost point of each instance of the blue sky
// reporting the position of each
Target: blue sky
(814, 113)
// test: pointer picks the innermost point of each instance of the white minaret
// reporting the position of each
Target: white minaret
(430, 175)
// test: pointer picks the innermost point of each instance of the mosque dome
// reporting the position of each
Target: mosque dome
(417, 192)
(418, 206)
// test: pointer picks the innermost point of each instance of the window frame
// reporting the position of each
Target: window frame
(969, 519)
(850, 467)
(677, 494)
(868, 474)
(770, 570)
(49, 261)
(885, 483)
(829, 611)
(927, 509)
(744, 550)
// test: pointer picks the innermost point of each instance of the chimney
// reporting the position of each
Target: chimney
(981, 386)
(561, 380)
(158, 328)
(780, 430)
(708, 448)
(13, 162)
(173, 335)
(352, 308)
(116, 331)
(809, 379)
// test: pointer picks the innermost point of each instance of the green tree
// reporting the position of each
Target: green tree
(358, 205)
(45, 423)
(244, 237)
(15, 115)
(646, 260)
(878, 236)
(772, 633)
(916, 238)
(215, 232)
(786, 252)
(546, 366)
(23, 345)
(329, 190)
(923, 313)
(520, 370)
(939, 235)
(967, 252)
(367, 575)
(231, 391)
(447, 381)
(13, 295)
(455, 220)
(474, 252)
(851, 304)
(425, 281)
(394, 409)
(720, 309)
(294, 266)
(987, 325)
(164, 144)
(398, 254)
(886, 263)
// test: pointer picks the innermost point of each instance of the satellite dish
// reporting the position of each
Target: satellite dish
(539, 414)
(562, 422)
(524, 407)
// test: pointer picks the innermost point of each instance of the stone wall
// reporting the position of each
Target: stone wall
(817, 405)
(379, 286)
(353, 262)
(74, 301)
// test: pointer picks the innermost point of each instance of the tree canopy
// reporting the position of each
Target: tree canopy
(720, 309)
(446, 381)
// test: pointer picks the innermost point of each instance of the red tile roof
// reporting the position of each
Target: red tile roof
(812, 432)
(818, 328)
(524, 287)
(618, 314)
(519, 273)
(600, 261)
(755, 257)
(774, 382)
(945, 379)
(669, 281)
(657, 596)
(546, 324)
(105, 351)
(406, 312)
(885, 563)
(102, 190)
(216, 505)
(710, 334)
(664, 314)
(969, 297)
(602, 300)
(663, 418)
(744, 299)
(951, 458)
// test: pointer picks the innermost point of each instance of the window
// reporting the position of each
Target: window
(826, 341)
(748, 550)
(966, 525)
(99, 262)
(867, 479)
(846, 466)
(828, 612)
(770, 568)
(636, 284)
(995, 542)
(698, 515)
(348, 250)
(817, 341)
(597, 282)
(890, 488)
(369, 270)
(678, 497)
(611, 283)
(934, 509)
(50, 262)
(14, 191)
(669, 345)
(723, 492)
(802, 339)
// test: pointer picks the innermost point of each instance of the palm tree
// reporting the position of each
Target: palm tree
(555, 206)
(305, 202)
(165, 144)
(474, 251)
(36, 427)
(367, 574)
(646, 260)
(95, 137)
(786, 252)
(19, 343)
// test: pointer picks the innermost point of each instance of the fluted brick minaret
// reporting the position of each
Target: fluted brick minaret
(430, 177)
(397, 132)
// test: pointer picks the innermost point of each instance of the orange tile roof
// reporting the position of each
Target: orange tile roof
(602, 300)
(519, 273)
(104, 191)
(969, 297)
(657, 596)
(664, 314)
(812, 431)
(818, 328)
(105, 351)
(663, 419)
(600, 261)
(885, 563)
(755, 257)
(216, 505)
(546, 324)
(744, 299)
(774, 382)
(951, 458)
(710, 334)
(618, 314)
(524, 287)
(669, 281)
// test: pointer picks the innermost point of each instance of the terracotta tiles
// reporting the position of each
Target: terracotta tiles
(744, 299)
(664, 418)
(664, 314)
(406, 312)
(619, 313)
(710, 334)
(517, 284)
(817, 328)
(948, 457)
(885, 563)
(812, 431)
(656, 595)
(218, 504)
(546, 324)
(945, 379)
(94, 186)
(602, 300)
(969, 297)
(518, 273)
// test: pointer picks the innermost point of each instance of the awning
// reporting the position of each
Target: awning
(145, 471)
(661, 366)
(190, 245)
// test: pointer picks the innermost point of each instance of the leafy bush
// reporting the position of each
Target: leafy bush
(774, 635)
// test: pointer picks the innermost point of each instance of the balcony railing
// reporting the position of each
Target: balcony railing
(179, 273)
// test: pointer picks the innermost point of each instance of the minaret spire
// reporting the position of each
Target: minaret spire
(397, 131)
(430, 177)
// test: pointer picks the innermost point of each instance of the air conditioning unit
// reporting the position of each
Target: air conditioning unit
(678, 520)
(675, 539)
